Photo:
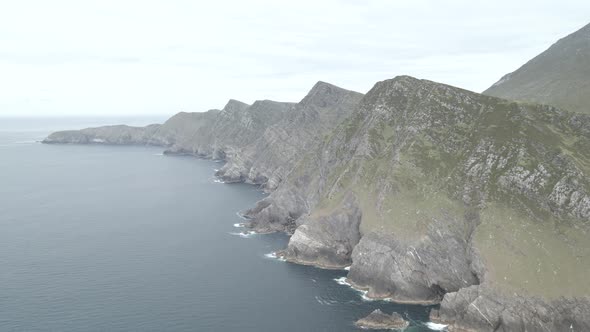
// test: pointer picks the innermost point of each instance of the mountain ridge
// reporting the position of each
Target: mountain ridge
(426, 172)
(559, 76)
(430, 193)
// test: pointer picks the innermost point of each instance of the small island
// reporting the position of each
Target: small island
(378, 320)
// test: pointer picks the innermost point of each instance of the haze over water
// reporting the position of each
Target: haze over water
(107, 238)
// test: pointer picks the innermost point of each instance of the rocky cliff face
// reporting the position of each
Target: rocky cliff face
(483, 308)
(455, 190)
(261, 143)
(327, 240)
(432, 194)
(274, 154)
(221, 134)
(213, 134)
(560, 76)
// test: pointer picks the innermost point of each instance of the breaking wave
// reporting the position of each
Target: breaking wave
(245, 234)
(436, 327)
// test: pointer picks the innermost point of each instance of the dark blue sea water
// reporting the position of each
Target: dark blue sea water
(105, 238)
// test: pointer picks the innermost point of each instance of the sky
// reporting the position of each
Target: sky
(142, 57)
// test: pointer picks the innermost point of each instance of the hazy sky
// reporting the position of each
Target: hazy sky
(159, 57)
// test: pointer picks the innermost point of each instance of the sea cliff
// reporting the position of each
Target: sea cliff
(430, 193)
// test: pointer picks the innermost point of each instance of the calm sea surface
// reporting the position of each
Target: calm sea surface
(106, 238)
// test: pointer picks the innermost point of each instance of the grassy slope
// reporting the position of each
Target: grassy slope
(559, 76)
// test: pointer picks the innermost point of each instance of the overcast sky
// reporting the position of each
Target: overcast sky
(160, 57)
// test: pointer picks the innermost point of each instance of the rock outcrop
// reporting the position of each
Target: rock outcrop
(327, 240)
(378, 320)
(482, 308)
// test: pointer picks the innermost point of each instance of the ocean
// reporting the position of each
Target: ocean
(123, 238)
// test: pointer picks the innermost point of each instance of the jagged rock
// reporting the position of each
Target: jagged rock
(278, 150)
(278, 212)
(415, 272)
(482, 308)
(327, 240)
(379, 320)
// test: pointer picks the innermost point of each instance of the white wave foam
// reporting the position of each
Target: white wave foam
(239, 225)
(218, 180)
(158, 154)
(436, 327)
(363, 293)
(342, 281)
(366, 298)
(245, 234)
(273, 255)
(347, 268)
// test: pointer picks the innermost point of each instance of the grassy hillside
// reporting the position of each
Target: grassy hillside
(560, 76)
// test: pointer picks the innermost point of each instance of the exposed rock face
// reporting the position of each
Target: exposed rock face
(416, 272)
(452, 187)
(277, 212)
(559, 76)
(261, 143)
(379, 320)
(327, 240)
(224, 133)
(271, 157)
(481, 308)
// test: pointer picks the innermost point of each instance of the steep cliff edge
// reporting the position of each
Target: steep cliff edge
(212, 134)
(431, 193)
(227, 132)
(261, 143)
(456, 191)
(273, 155)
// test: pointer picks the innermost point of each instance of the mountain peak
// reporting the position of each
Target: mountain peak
(235, 105)
(403, 83)
(324, 94)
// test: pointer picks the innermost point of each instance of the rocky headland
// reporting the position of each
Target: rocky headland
(430, 193)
